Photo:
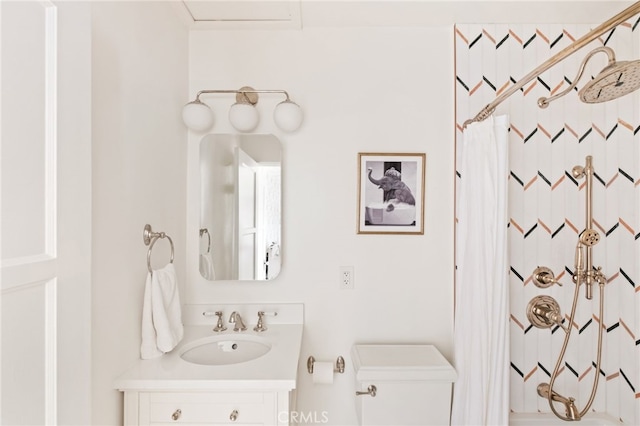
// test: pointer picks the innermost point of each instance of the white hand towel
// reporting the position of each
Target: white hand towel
(162, 327)
(275, 262)
(206, 267)
(148, 348)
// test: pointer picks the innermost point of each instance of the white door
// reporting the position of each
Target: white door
(246, 217)
(45, 212)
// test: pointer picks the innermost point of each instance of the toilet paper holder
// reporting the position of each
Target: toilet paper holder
(338, 368)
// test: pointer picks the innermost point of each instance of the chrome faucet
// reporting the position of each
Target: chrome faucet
(236, 319)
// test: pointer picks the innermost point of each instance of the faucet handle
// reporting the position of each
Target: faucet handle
(260, 325)
(220, 325)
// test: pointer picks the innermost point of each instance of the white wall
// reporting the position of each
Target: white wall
(139, 168)
(362, 90)
(74, 216)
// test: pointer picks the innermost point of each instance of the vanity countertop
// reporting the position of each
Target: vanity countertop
(276, 370)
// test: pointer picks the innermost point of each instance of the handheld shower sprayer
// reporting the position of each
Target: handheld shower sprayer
(579, 262)
(589, 237)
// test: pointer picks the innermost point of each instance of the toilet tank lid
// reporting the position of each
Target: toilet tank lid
(401, 362)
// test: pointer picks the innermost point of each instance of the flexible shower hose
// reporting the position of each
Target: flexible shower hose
(564, 349)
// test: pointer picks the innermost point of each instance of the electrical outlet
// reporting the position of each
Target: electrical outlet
(347, 279)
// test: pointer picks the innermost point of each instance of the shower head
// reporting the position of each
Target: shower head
(615, 80)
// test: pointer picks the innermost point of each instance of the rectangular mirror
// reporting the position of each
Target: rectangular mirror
(240, 207)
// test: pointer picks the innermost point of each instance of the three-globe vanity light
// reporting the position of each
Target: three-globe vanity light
(243, 114)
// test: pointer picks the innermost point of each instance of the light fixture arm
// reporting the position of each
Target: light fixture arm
(241, 94)
(612, 22)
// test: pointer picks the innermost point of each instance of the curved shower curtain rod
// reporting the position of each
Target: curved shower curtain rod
(613, 22)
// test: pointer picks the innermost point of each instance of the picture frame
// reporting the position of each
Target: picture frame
(391, 194)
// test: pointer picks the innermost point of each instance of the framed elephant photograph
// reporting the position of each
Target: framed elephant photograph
(391, 193)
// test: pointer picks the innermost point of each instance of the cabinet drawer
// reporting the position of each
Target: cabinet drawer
(210, 408)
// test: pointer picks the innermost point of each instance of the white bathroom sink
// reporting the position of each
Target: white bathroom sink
(225, 349)
(262, 361)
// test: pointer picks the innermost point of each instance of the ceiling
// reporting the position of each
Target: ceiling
(216, 13)
(290, 14)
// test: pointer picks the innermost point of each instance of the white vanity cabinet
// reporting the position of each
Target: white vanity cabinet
(206, 408)
(219, 386)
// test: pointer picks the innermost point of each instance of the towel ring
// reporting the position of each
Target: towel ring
(206, 231)
(149, 237)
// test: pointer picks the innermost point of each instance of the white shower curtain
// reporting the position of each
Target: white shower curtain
(481, 334)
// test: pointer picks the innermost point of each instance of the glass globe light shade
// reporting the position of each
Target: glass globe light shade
(197, 116)
(288, 116)
(243, 117)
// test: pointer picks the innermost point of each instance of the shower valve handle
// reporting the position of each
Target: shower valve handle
(556, 318)
(544, 312)
(544, 277)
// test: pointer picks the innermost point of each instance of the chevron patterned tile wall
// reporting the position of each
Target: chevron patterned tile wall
(547, 206)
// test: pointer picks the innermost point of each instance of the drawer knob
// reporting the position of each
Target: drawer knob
(233, 416)
(176, 414)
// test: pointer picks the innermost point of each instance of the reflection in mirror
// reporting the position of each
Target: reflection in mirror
(240, 204)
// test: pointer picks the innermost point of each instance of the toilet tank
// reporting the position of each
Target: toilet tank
(413, 385)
